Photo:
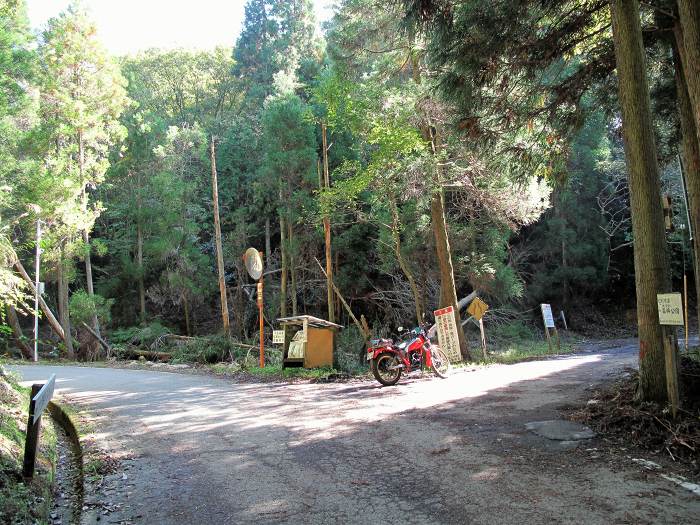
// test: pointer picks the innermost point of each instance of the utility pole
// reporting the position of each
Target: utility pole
(36, 290)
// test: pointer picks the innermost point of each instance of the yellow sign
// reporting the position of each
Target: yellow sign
(670, 309)
(477, 308)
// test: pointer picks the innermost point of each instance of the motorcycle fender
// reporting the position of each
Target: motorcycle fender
(428, 357)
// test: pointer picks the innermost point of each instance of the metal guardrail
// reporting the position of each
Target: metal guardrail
(40, 397)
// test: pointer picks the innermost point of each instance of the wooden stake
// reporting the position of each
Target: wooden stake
(672, 374)
(217, 237)
(483, 336)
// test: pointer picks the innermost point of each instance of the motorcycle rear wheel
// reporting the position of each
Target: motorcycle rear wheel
(441, 364)
(381, 368)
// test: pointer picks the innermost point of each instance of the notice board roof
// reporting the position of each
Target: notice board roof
(312, 321)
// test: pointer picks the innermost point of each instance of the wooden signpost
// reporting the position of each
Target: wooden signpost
(671, 314)
(254, 264)
(548, 320)
(40, 397)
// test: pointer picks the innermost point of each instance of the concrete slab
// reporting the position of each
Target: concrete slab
(560, 430)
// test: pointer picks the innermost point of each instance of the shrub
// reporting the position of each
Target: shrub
(83, 307)
(143, 336)
(209, 349)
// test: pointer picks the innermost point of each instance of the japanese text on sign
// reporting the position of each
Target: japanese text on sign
(447, 333)
(547, 315)
(670, 309)
(278, 337)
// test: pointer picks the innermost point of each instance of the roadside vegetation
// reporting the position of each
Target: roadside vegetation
(23, 502)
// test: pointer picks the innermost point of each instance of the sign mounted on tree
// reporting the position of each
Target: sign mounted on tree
(477, 308)
(253, 263)
(447, 333)
(670, 309)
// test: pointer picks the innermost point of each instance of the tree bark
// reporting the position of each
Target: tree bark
(139, 263)
(690, 166)
(50, 317)
(292, 268)
(139, 253)
(396, 234)
(283, 259)
(688, 40)
(186, 307)
(327, 229)
(86, 234)
(650, 257)
(63, 312)
(217, 238)
(448, 292)
(268, 249)
(27, 352)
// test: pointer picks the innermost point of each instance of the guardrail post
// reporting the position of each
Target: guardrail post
(32, 441)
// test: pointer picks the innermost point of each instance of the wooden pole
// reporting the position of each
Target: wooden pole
(261, 320)
(327, 229)
(217, 236)
(685, 308)
(32, 442)
(672, 377)
(483, 336)
(556, 333)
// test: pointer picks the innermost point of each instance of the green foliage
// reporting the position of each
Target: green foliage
(210, 349)
(83, 307)
(143, 336)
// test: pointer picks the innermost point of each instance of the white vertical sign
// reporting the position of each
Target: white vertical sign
(447, 333)
(547, 315)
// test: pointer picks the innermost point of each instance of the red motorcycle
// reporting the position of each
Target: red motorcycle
(389, 360)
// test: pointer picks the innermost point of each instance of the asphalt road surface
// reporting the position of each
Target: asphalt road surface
(204, 450)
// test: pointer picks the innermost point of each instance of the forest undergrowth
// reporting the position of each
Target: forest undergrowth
(615, 413)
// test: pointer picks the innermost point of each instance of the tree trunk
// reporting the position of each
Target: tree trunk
(396, 234)
(186, 307)
(690, 166)
(688, 40)
(63, 313)
(139, 251)
(86, 234)
(268, 249)
(139, 264)
(292, 268)
(650, 257)
(448, 292)
(217, 238)
(50, 317)
(283, 260)
(327, 230)
(27, 352)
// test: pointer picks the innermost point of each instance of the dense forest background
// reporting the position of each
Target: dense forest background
(518, 173)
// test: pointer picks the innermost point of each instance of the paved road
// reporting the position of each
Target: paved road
(426, 451)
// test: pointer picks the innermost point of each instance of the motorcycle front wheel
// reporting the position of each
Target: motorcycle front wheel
(441, 364)
(386, 368)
